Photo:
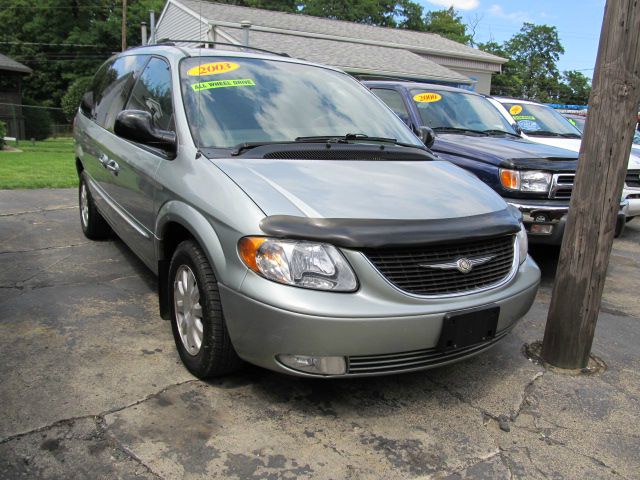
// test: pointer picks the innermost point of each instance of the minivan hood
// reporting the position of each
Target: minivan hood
(361, 189)
(505, 151)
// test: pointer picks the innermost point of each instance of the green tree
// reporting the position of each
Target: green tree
(509, 81)
(447, 23)
(535, 51)
(575, 88)
(73, 96)
(409, 15)
(371, 12)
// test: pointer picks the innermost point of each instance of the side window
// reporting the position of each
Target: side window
(152, 93)
(111, 87)
(394, 101)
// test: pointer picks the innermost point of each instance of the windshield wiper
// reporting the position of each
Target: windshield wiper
(241, 147)
(571, 135)
(459, 130)
(542, 133)
(499, 132)
(353, 137)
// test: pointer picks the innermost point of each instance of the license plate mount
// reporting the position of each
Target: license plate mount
(466, 328)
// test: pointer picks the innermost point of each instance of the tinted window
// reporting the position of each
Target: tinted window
(394, 101)
(232, 100)
(152, 93)
(111, 87)
(446, 109)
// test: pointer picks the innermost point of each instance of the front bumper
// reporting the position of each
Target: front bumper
(632, 197)
(373, 324)
(554, 214)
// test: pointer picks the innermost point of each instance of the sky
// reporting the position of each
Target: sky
(578, 23)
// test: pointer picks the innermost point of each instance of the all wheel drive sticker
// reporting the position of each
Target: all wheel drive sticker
(216, 68)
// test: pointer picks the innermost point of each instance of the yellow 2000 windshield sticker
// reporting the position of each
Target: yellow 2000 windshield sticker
(243, 82)
(212, 68)
(427, 97)
(515, 110)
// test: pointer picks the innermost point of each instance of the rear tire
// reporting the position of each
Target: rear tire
(94, 226)
(197, 321)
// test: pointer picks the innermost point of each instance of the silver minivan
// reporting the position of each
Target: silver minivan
(293, 221)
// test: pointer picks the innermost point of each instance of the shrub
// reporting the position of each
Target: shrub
(37, 121)
(73, 96)
(3, 132)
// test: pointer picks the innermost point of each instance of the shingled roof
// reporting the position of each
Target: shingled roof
(411, 40)
(10, 65)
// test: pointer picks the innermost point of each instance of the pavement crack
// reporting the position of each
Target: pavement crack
(93, 416)
(528, 389)
(102, 429)
(40, 210)
(43, 249)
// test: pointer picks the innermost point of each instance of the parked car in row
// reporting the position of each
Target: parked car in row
(542, 124)
(473, 134)
(293, 221)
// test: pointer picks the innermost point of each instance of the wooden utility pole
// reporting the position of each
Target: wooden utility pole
(124, 25)
(584, 258)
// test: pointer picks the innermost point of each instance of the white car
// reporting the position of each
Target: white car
(542, 124)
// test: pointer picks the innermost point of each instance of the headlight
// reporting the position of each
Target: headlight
(525, 180)
(523, 244)
(299, 263)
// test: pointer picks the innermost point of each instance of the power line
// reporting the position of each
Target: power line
(50, 44)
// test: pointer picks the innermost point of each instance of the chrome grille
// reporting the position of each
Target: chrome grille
(431, 271)
(633, 178)
(396, 362)
(561, 185)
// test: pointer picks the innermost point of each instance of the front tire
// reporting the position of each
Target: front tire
(197, 321)
(94, 226)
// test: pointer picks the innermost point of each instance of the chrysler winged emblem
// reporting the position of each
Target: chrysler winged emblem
(463, 265)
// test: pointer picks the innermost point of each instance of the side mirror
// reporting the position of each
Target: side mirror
(137, 126)
(517, 128)
(427, 135)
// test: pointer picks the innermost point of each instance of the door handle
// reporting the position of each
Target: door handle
(113, 167)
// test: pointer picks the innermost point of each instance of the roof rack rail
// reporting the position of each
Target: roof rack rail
(172, 42)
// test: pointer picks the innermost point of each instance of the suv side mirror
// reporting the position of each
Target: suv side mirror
(427, 135)
(517, 128)
(137, 126)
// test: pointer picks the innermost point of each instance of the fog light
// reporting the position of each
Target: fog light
(541, 229)
(312, 364)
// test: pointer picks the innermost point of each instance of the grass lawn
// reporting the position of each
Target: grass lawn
(47, 164)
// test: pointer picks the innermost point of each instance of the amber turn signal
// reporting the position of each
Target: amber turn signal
(248, 248)
(510, 179)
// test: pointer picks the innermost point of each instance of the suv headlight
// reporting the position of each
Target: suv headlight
(523, 244)
(525, 180)
(317, 266)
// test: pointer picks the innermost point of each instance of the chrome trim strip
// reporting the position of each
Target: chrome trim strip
(118, 209)
(529, 208)
(514, 269)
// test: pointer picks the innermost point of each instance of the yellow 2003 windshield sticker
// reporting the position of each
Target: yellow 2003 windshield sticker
(427, 97)
(515, 110)
(212, 68)
(242, 82)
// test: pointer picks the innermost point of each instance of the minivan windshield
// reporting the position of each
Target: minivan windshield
(541, 120)
(233, 100)
(457, 110)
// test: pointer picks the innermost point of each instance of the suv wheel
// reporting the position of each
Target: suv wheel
(198, 325)
(94, 226)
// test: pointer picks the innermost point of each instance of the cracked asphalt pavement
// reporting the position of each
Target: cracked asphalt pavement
(91, 385)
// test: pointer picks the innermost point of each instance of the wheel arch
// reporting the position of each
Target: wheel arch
(175, 223)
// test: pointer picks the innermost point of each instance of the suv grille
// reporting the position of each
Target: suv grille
(431, 270)
(633, 178)
(561, 185)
